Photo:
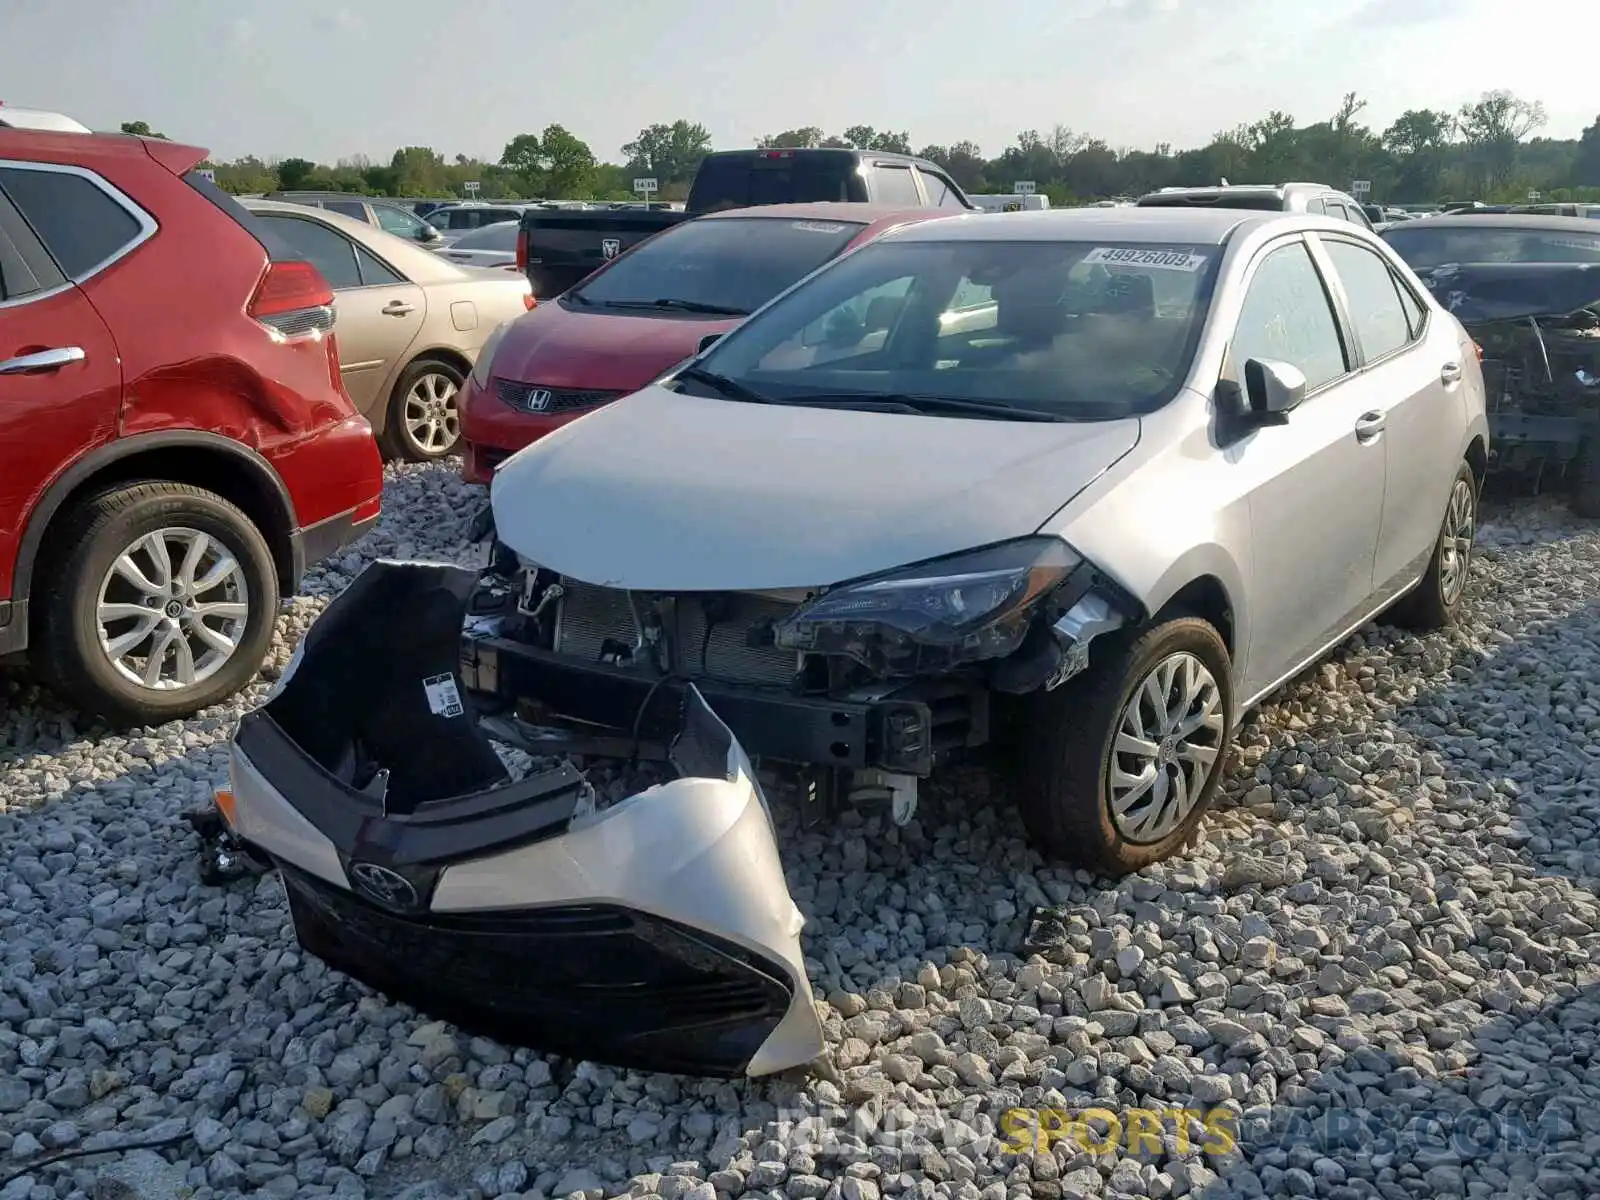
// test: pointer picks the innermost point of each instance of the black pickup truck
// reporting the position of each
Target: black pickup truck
(557, 249)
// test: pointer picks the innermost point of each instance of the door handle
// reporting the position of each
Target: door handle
(1450, 372)
(396, 308)
(1370, 426)
(42, 360)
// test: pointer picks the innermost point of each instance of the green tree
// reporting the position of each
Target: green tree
(569, 164)
(669, 153)
(1586, 164)
(865, 137)
(142, 129)
(808, 137)
(1492, 128)
(293, 173)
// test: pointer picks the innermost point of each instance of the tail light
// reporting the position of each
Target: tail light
(522, 249)
(294, 299)
(528, 301)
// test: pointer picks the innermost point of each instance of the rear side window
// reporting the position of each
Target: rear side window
(277, 249)
(939, 193)
(894, 185)
(79, 223)
(330, 253)
(1382, 326)
(346, 208)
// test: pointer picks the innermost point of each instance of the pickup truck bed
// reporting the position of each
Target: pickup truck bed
(558, 249)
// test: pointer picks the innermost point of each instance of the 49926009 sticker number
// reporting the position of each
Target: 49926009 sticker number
(1149, 260)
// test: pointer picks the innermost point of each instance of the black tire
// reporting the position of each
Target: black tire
(398, 439)
(1586, 485)
(1063, 765)
(94, 534)
(1435, 603)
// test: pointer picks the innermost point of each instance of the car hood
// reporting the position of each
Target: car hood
(667, 492)
(1483, 293)
(553, 346)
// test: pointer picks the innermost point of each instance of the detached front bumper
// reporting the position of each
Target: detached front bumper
(656, 933)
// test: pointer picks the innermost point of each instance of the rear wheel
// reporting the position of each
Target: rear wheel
(1436, 601)
(162, 602)
(1586, 490)
(424, 418)
(1118, 766)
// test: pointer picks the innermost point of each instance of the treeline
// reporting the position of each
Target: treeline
(1487, 150)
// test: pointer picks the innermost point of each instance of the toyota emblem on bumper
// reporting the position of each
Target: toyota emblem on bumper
(389, 888)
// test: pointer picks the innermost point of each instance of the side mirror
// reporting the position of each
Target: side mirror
(710, 340)
(1274, 389)
(429, 234)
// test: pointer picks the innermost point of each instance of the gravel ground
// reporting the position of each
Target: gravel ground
(1388, 935)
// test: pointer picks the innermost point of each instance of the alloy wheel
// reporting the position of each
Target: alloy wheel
(172, 609)
(430, 413)
(1455, 541)
(1167, 745)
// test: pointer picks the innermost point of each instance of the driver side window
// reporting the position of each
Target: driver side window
(860, 325)
(400, 223)
(1287, 317)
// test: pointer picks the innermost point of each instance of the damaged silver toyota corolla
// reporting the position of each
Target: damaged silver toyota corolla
(1078, 486)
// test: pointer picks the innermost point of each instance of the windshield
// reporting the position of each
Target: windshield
(731, 265)
(1082, 330)
(1423, 245)
(502, 236)
(747, 180)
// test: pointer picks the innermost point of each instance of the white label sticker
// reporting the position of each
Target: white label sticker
(818, 227)
(444, 698)
(1150, 260)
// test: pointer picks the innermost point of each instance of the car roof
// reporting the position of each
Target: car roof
(1204, 226)
(1510, 220)
(419, 265)
(866, 214)
(39, 119)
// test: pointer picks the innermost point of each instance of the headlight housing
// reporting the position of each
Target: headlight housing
(934, 615)
(483, 369)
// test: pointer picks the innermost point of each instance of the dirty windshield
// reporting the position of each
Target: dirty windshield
(1082, 330)
(1424, 247)
(728, 266)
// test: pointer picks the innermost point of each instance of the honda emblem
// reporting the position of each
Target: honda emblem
(610, 247)
(538, 399)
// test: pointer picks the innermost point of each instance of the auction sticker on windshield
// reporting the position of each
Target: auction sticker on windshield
(1154, 260)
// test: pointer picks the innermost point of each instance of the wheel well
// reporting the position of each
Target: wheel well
(445, 355)
(1206, 598)
(1478, 459)
(214, 470)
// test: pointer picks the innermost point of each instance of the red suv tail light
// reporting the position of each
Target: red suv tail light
(294, 299)
(522, 249)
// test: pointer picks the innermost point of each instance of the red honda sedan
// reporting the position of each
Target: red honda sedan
(645, 312)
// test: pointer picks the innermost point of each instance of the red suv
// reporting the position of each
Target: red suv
(175, 442)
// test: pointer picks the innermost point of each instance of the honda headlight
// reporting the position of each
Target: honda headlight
(934, 615)
(483, 368)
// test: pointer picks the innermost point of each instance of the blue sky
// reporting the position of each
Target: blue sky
(326, 79)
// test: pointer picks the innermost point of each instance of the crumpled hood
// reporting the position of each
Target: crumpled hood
(604, 351)
(667, 492)
(1483, 293)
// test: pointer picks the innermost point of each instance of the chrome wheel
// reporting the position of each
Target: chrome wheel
(1167, 745)
(172, 609)
(1455, 541)
(431, 418)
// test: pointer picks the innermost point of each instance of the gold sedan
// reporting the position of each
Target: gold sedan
(410, 324)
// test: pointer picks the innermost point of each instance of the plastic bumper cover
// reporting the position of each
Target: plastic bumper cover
(657, 933)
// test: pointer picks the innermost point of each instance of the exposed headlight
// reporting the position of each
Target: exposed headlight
(934, 615)
(483, 368)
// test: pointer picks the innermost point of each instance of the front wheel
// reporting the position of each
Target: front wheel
(424, 418)
(162, 602)
(1118, 765)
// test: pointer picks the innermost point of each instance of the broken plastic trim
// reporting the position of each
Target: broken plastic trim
(656, 933)
(1093, 615)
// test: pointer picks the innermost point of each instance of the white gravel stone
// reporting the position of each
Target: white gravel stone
(1390, 920)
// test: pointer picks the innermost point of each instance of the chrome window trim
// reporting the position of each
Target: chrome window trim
(148, 227)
